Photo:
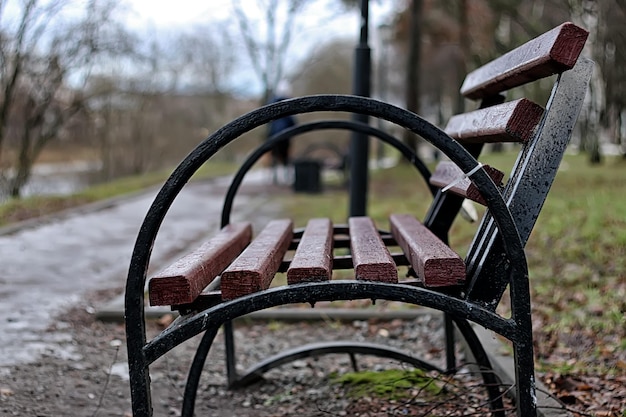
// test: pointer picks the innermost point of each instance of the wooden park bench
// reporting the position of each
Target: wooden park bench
(230, 275)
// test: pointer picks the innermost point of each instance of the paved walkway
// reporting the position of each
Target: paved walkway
(46, 267)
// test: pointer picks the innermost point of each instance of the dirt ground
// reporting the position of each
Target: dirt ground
(90, 378)
(86, 373)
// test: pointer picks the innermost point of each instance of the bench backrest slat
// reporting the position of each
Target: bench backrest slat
(314, 254)
(551, 53)
(372, 260)
(514, 121)
(254, 269)
(433, 261)
(182, 281)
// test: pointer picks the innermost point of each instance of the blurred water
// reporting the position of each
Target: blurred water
(60, 178)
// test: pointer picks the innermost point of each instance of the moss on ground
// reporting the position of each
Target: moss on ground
(392, 384)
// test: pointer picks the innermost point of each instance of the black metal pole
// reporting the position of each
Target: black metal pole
(359, 145)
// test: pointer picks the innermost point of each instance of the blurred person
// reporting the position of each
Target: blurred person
(281, 165)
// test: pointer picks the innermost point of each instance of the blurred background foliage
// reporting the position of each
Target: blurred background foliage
(79, 84)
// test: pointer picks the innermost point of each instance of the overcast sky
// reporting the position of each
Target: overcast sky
(181, 12)
(324, 20)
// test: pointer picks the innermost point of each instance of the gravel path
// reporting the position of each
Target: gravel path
(93, 381)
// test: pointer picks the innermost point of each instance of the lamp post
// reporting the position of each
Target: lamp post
(384, 35)
(359, 144)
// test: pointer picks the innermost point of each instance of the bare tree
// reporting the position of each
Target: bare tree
(204, 62)
(611, 59)
(267, 41)
(326, 70)
(204, 57)
(176, 91)
(413, 67)
(38, 56)
(586, 13)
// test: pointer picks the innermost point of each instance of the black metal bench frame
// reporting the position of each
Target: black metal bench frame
(496, 259)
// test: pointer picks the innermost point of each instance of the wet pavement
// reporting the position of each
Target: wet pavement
(46, 267)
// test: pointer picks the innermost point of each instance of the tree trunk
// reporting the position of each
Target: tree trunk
(413, 72)
(585, 13)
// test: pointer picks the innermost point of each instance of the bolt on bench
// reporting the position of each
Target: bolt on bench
(230, 275)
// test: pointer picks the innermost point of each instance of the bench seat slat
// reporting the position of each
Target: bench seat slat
(181, 282)
(313, 258)
(555, 51)
(514, 121)
(254, 269)
(448, 172)
(371, 258)
(433, 261)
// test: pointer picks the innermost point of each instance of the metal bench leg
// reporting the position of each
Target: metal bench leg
(195, 371)
(525, 370)
(525, 377)
(492, 383)
(355, 365)
(231, 359)
(450, 351)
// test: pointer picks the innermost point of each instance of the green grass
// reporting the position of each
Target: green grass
(30, 207)
(577, 257)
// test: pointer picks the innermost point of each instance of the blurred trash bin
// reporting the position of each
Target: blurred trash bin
(307, 176)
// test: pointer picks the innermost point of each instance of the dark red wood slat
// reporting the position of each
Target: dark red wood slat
(553, 52)
(514, 121)
(254, 269)
(433, 261)
(448, 172)
(314, 255)
(184, 280)
(372, 260)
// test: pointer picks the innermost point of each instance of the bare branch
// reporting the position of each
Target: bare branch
(267, 50)
(248, 38)
(43, 50)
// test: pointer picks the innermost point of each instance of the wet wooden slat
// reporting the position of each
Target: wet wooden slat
(555, 51)
(314, 255)
(448, 172)
(433, 261)
(371, 258)
(181, 282)
(514, 121)
(254, 269)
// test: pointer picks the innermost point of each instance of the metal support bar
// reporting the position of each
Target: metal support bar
(231, 358)
(195, 371)
(255, 373)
